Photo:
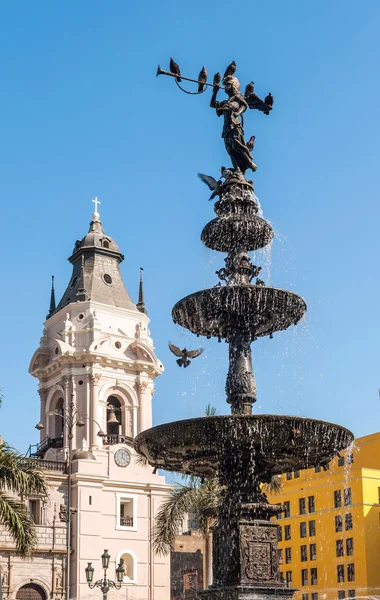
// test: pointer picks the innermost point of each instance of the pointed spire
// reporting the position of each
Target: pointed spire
(52, 299)
(141, 304)
(81, 293)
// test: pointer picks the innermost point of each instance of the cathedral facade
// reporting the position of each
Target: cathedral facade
(96, 368)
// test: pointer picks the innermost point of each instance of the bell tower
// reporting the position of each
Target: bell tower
(96, 348)
(96, 360)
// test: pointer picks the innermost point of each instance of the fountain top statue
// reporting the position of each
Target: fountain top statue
(232, 111)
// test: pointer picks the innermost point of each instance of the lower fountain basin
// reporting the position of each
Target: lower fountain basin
(250, 309)
(267, 444)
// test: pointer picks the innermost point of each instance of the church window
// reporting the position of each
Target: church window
(56, 350)
(126, 512)
(107, 279)
(80, 382)
(90, 500)
(106, 244)
(81, 316)
(118, 345)
(58, 419)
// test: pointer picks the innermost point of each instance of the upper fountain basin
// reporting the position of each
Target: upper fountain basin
(229, 232)
(249, 309)
(263, 444)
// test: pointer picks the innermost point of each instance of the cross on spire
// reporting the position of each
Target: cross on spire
(95, 215)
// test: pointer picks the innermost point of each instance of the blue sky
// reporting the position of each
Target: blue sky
(82, 114)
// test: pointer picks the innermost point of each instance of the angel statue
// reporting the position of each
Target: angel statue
(233, 132)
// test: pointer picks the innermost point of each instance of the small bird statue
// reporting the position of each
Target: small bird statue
(251, 143)
(259, 282)
(230, 70)
(249, 89)
(184, 355)
(202, 78)
(217, 79)
(174, 68)
(269, 100)
(214, 185)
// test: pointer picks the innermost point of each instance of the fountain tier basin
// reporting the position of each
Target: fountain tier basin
(250, 309)
(237, 231)
(261, 444)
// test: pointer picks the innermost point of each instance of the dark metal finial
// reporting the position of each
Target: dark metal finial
(52, 298)
(141, 304)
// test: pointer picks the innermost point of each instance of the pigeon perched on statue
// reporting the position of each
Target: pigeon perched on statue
(202, 78)
(251, 143)
(230, 70)
(174, 68)
(214, 185)
(269, 100)
(250, 88)
(217, 79)
(184, 355)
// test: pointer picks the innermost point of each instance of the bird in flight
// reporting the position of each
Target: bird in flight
(174, 68)
(214, 185)
(184, 355)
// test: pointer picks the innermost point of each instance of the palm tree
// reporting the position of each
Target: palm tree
(19, 477)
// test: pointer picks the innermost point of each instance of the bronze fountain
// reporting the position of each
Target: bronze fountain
(242, 450)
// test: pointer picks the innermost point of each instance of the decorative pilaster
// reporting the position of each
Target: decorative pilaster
(66, 400)
(43, 397)
(94, 386)
(145, 404)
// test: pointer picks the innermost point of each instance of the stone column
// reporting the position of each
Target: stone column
(43, 396)
(66, 402)
(145, 406)
(94, 385)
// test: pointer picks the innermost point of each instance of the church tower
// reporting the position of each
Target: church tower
(96, 366)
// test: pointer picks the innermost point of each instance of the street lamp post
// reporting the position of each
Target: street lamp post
(104, 584)
(71, 420)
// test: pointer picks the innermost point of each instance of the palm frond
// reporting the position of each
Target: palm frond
(274, 486)
(141, 460)
(20, 474)
(210, 411)
(182, 500)
(15, 518)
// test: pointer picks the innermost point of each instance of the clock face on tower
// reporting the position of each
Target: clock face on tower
(122, 457)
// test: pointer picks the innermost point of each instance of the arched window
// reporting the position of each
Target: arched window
(58, 420)
(114, 417)
(128, 559)
(106, 244)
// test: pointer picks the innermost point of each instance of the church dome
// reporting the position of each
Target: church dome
(96, 238)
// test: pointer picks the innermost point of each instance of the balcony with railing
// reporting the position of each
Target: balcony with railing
(111, 439)
(126, 521)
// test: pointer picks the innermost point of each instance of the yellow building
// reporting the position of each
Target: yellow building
(329, 534)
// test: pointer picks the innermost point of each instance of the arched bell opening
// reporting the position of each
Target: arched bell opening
(114, 416)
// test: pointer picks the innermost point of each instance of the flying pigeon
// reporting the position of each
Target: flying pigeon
(269, 100)
(249, 89)
(251, 143)
(230, 70)
(174, 68)
(217, 79)
(184, 354)
(214, 185)
(202, 77)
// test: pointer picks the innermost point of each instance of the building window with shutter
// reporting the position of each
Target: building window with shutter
(340, 573)
(289, 579)
(288, 532)
(288, 555)
(348, 521)
(349, 546)
(303, 553)
(303, 529)
(351, 572)
(314, 576)
(313, 551)
(296, 474)
(304, 577)
(312, 528)
(280, 559)
(339, 548)
(351, 593)
(305, 596)
(279, 533)
(338, 523)
(286, 509)
(35, 511)
(302, 502)
(289, 475)
(311, 503)
(126, 512)
(314, 596)
(341, 595)
(337, 499)
(347, 497)
(341, 461)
